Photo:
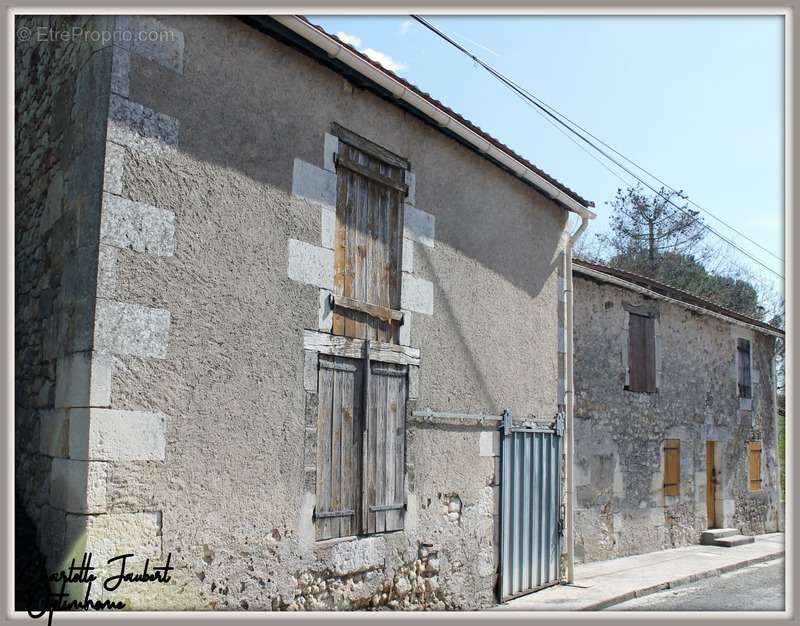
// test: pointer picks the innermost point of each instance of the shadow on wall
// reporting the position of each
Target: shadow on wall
(466, 340)
(249, 103)
(30, 588)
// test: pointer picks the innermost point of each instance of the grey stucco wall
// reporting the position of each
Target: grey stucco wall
(619, 435)
(61, 108)
(201, 332)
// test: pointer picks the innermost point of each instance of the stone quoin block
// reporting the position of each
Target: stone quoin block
(114, 168)
(120, 71)
(54, 432)
(137, 226)
(139, 127)
(489, 443)
(328, 227)
(155, 40)
(106, 271)
(325, 311)
(310, 264)
(330, 148)
(110, 535)
(411, 181)
(313, 183)
(83, 379)
(358, 555)
(116, 435)
(123, 328)
(418, 225)
(408, 254)
(404, 337)
(78, 486)
(416, 294)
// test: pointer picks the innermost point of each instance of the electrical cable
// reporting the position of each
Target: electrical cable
(533, 100)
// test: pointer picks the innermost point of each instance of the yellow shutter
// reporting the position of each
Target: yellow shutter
(754, 465)
(672, 467)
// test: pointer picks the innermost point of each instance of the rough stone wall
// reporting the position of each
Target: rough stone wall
(619, 435)
(226, 373)
(61, 104)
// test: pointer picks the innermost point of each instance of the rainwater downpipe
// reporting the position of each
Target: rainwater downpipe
(569, 400)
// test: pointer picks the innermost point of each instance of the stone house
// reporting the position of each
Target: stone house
(675, 417)
(271, 301)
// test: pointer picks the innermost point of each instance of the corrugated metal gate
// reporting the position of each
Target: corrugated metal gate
(530, 543)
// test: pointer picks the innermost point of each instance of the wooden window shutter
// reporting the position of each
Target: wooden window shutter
(744, 378)
(339, 431)
(672, 467)
(383, 507)
(754, 465)
(368, 247)
(641, 353)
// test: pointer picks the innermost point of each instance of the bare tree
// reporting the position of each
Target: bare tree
(646, 225)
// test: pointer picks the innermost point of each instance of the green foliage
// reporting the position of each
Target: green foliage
(683, 271)
(653, 235)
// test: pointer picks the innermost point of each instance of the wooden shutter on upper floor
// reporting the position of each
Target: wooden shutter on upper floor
(754, 465)
(369, 232)
(672, 467)
(339, 432)
(641, 353)
(384, 456)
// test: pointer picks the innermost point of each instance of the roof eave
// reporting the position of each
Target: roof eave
(340, 54)
(707, 308)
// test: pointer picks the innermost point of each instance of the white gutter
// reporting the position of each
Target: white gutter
(338, 51)
(569, 401)
(654, 294)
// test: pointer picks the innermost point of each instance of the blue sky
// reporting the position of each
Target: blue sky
(696, 100)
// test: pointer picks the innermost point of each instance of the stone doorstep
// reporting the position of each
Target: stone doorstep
(733, 541)
(708, 537)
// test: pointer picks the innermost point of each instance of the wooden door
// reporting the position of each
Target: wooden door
(711, 485)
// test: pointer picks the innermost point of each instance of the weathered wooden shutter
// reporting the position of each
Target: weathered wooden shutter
(672, 467)
(384, 456)
(339, 429)
(641, 353)
(743, 352)
(369, 228)
(754, 465)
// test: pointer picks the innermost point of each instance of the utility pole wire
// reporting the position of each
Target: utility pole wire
(534, 100)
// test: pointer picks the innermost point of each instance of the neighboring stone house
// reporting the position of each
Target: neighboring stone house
(675, 417)
(217, 219)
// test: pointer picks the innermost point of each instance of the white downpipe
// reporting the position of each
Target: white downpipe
(569, 401)
(338, 51)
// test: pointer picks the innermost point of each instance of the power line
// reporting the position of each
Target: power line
(650, 174)
(532, 99)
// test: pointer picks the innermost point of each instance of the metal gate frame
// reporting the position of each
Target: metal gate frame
(516, 576)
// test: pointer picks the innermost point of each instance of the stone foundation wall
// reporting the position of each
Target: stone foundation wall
(619, 435)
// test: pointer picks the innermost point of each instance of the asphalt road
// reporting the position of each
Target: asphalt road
(759, 587)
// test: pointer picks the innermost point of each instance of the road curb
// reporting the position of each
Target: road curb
(683, 580)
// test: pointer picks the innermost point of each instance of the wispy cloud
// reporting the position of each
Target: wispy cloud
(404, 26)
(351, 40)
(376, 55)
(384, 59)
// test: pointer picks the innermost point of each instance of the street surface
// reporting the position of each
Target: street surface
(759, 587)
